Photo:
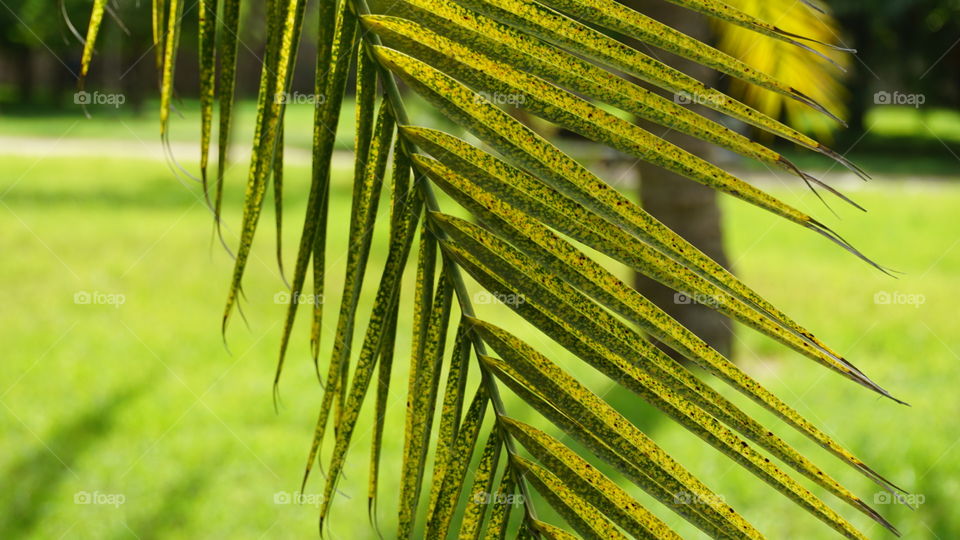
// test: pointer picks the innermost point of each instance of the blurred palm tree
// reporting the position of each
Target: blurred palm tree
(689, 208)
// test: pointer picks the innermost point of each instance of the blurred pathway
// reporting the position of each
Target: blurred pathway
(42, 147)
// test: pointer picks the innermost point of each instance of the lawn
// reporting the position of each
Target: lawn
(117, 388)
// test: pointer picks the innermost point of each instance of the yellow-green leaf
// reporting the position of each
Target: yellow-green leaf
(207, 12)
(636, 456)
(331, 78)
(535, 286)
(481, 496)
(430, 325)
(583, 517)
(567, 394)
(453, 478)
(563, 31)
(452, 408)
(500, 515)
(380, 329)
(363, 216)
(89, 44)
(227, 52)
(561, 107)
(589, 483)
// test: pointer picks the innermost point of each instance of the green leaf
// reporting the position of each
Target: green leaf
(528, 150)
(496, 209)
(171, 43)
(570, 178)
(493, 197)
(638, 458)
(278, 198)
(725, 12)
(227, 53)
(372, 151)
(481, 493)
(331, 78)
(207, 12)
(500, 515)
(452, 409)
(362, 218)
(454, 476)
(556, 28)
(89, 44)
(384, 371)
(158, 15)
(401, 198)
(534, 286)
(583, 517)
(575, 400)
(282, 25)
(431, 314)
(620, 18)
(590, 484)
(521, 51)
(565, 109)
(377, 345)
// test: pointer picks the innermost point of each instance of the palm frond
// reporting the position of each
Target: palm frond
(541, 219)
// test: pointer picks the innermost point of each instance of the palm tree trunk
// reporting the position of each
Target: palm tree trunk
(685, 206)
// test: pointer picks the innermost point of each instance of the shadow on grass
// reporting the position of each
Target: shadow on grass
(33, 480)
(176, 506)
(156, 194)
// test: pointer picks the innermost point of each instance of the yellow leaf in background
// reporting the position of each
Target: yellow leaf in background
(803, 70)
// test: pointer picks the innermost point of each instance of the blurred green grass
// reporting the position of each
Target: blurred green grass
(143, 399)
(109, 123)
(124, 123)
